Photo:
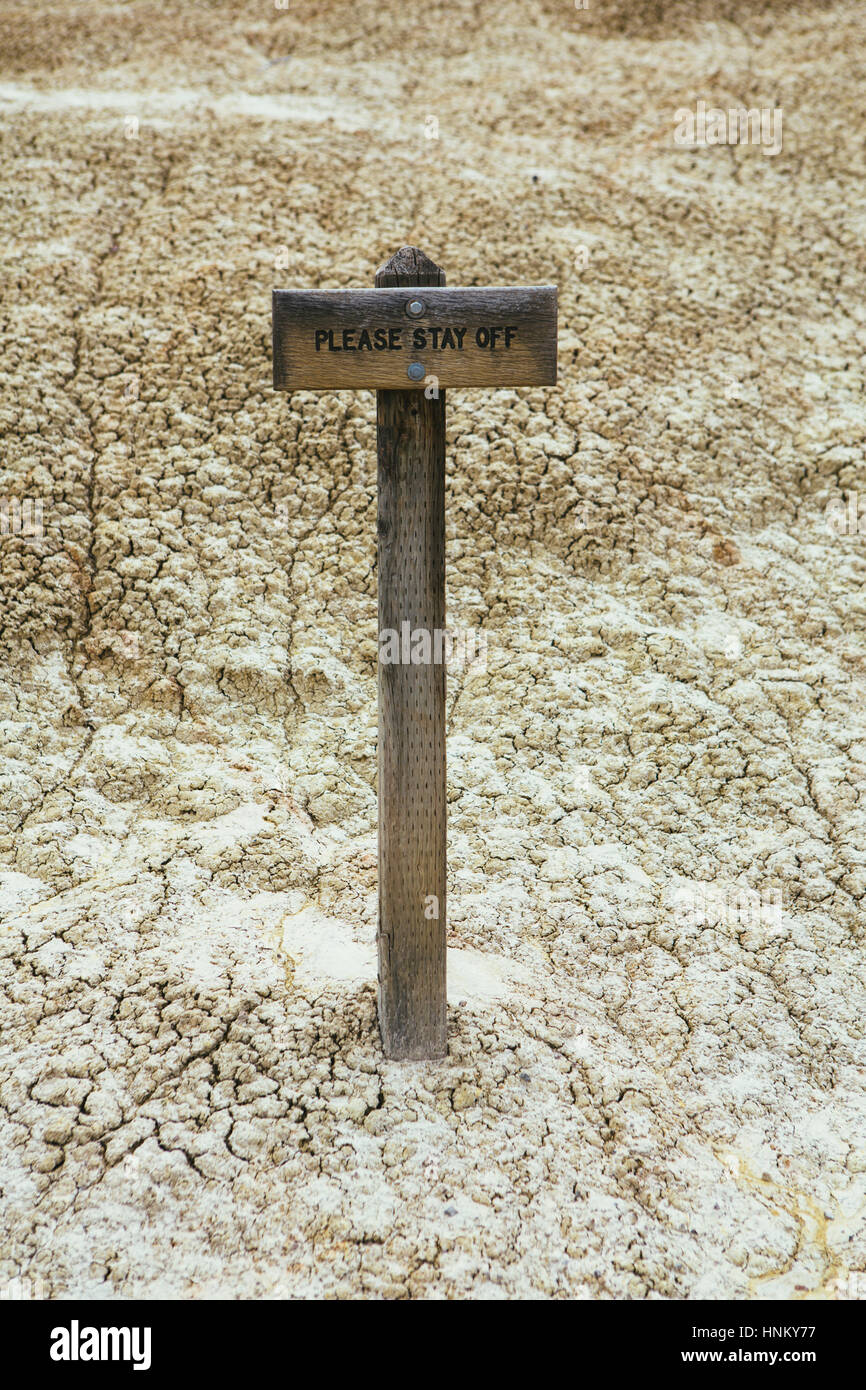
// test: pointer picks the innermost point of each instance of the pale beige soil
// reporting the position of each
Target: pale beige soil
(636, 1102)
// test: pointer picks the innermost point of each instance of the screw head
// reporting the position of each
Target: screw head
(415, 371)
(415, 308)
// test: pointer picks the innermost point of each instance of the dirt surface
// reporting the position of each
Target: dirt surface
(657, 788)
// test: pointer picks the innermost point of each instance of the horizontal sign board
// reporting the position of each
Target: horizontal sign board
(398, 339)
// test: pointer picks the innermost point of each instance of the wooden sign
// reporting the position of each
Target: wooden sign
(393, 340)
(409, 339)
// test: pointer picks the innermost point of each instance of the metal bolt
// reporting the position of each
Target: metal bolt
(415, 371)
(415, 308)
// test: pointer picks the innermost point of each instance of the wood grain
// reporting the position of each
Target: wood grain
(498, 337)
(412, 815)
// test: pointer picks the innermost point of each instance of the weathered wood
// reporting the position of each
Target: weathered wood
(412, 815)
(409, 339)
(350, 339)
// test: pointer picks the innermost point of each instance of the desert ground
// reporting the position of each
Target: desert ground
(657, 784)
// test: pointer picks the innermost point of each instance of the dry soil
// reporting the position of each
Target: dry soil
(657, 786)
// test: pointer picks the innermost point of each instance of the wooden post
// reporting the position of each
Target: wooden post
(412, 815)
(407, 340)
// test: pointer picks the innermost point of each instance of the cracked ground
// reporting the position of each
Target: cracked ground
(657, 788)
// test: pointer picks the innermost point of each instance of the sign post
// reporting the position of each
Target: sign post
(409, 339)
